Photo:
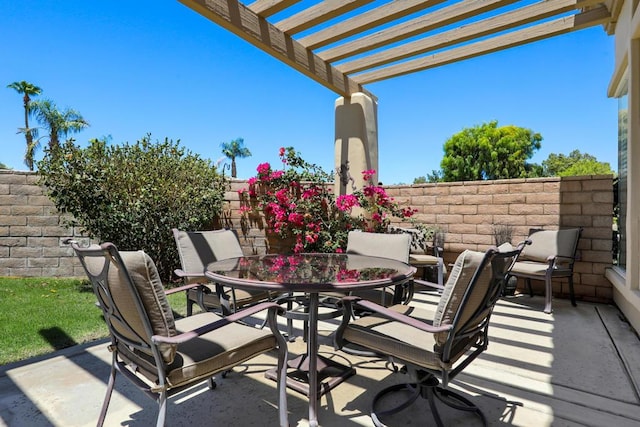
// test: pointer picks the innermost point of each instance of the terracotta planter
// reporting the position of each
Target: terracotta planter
(279, 245)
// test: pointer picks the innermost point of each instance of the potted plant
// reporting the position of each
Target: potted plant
(299, 212)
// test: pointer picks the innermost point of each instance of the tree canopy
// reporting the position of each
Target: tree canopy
(576, 163)
(490, 152)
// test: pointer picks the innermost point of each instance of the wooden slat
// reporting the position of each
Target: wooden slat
(266, 8)
(237, 18)
(439, 18)
(492, 25)
(317, 14)
(365, 21)
(538, 32)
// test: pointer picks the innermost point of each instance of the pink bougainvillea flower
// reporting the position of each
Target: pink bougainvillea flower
(346, 201)
(368, 174)
(281, 152)
(264, 169)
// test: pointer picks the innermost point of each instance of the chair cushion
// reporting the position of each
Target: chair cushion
(384, 245)
(144, 274)
(215, 351)
(419, 244)
(197, 249)
(243, 297)
(423, 259)
(545, 243)
(396, 339)
(457, 284)
(537, 269)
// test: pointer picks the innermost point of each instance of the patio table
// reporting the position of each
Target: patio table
(313, 274)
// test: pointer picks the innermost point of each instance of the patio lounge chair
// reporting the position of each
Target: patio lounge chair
(551, 255)
(435, 347)
(161, 355)
(196, 250)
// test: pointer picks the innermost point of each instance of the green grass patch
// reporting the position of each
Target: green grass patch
(41, 315)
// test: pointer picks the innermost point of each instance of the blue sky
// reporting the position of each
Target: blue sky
(145, 66)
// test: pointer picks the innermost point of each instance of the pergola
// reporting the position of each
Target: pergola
(346, 44)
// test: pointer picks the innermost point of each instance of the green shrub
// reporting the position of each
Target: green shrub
(132, 195)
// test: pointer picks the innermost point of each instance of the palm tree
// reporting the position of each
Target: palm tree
(58, 123)
(28, 90)
(235, 149)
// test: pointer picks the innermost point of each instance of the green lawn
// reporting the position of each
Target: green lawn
(41, 315)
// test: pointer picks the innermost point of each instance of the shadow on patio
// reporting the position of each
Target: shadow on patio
(578, 366)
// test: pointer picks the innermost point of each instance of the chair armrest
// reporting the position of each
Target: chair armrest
(394, 315)
(181, 288)
(428, 284)
(186, 336)
(183, 274)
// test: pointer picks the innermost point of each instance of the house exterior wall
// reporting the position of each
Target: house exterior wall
(626, 281)
(32, 231)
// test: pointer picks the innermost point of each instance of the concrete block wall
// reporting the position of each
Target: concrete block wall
(468, 212)
(32, 231)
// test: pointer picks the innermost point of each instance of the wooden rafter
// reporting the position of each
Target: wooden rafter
(440, 18)
(516, 38)
(365, 21)
(267, 8)
(237, 18)
(318, 14)
(492, 25)
(454, 30)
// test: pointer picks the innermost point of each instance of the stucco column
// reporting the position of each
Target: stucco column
(356, 141)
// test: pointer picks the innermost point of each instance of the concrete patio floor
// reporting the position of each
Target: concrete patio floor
(578, 366)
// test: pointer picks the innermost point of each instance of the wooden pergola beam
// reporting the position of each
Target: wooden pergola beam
(542, 31)
(365, 21)
(240, 20)
(437, 19)
(318, 14)
(492, 25)
(266, 8)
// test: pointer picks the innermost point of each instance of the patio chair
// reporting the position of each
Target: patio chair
(196, 250)
(426, 255)
(383, 245)
(551, 255)
(162, 355)
(435, 347)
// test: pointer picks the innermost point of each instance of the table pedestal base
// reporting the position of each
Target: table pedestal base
(330, 374)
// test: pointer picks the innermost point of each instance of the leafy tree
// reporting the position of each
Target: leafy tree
(58, 123)
(28, 90)
(420, 180)
(235, 149)
(3, 166)
(132, 195)
(490, 152)
(576, 163)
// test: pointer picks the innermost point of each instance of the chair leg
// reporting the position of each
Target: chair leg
(107, 397)
(548, 291)
(162, 408)
(528, 282)
(189, 305)
(429, 389)
(571, 293)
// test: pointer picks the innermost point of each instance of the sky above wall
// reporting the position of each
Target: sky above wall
(133, 68)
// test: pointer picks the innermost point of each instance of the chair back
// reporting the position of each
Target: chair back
(474, 286)
(383, 245)
(546, 243)
(197, 249)
(133, 303)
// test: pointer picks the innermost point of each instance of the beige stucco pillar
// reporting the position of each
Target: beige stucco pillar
(356, 141)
